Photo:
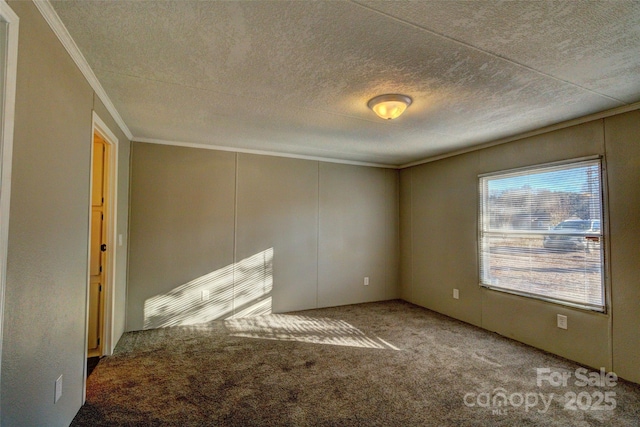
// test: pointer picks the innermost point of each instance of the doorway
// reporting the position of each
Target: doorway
(98, 254)
(102, 241)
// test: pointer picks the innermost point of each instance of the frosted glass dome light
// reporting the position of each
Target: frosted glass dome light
(389, 106)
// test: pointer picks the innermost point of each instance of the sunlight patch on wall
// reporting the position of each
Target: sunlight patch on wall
(285, 327)
(234, 291)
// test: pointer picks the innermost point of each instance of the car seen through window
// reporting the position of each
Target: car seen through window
(573, 234)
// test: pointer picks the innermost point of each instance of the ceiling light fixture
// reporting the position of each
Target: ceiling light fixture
(389, 106)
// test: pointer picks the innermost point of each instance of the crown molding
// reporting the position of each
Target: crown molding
(54, 21)
(573, 122)
(262, 152)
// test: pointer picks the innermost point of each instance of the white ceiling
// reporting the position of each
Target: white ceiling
(295, 77)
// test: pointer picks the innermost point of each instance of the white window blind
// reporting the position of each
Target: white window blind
(541, 233)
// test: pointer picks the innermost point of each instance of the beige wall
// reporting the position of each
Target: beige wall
(278, 208)
(622, 136)
(45, 305)
(182, 228)
(406, 243)
(439, 232)
(358, 234)
(199, 219)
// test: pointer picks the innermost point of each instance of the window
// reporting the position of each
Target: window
(540, 233)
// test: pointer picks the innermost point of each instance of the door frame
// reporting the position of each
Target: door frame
(6, 145)
(99, 126)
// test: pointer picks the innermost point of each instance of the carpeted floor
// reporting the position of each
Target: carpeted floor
(377, 364)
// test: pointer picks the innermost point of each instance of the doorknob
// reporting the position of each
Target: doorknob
(103, 247)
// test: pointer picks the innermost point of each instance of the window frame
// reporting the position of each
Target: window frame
(604, 232)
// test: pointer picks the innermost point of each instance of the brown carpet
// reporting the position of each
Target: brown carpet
(377, 364)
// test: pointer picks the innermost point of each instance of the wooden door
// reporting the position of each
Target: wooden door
(98, 246)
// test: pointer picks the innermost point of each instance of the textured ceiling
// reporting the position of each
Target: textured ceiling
(295, 77)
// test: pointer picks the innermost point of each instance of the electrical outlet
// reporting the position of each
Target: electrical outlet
(58, 388)
(205, 295)
(366, 281)
(562, 321)
(456, 294)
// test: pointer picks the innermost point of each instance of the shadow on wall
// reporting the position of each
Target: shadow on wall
(237, 290)
(283, 327)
